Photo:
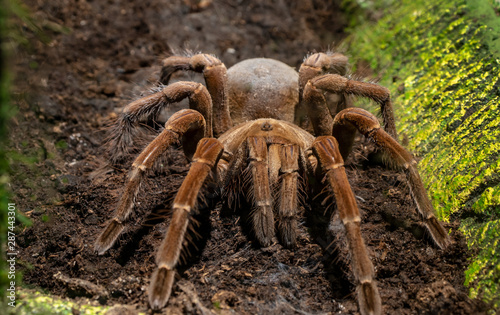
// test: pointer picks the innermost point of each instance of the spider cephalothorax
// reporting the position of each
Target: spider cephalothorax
(248, 117)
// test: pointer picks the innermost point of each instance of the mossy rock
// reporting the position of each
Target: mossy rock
(441, 61)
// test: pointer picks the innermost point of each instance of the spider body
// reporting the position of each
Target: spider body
(253, 110)
(262, 88)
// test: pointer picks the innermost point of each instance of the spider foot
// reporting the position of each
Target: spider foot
(108, 237)
(369, 299)
(160, 287)
(438, 233)
(288, 236)
(263, 223)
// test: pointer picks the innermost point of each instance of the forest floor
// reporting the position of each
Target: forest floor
(70, 89)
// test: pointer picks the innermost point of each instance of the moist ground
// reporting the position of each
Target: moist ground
(67, 93)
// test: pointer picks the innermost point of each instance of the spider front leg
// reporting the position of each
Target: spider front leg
(215, 74)
(205, 159)
(369, 126)
(185, 122)
(326, 150)
(123, 132)
(321, 116)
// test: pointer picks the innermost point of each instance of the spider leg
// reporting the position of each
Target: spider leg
(321, 116)
(369, 126)
(327, 151)
(205, 158)
(229, 170)
(288, 194)
(150, 106)
(335, 83)
(262, 216)
(214, 72)
(183, 122)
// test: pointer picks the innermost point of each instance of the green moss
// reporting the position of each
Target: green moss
(486, 202)
(440, 60)
(61, 144)
(25, 159)
(38, 303)
(485, 269)
(216, 305)
(4, 177)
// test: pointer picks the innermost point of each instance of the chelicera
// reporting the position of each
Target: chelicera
(248, 120)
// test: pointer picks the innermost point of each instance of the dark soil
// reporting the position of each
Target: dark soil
(68, 90)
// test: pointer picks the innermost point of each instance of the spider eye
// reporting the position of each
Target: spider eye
(266, 126)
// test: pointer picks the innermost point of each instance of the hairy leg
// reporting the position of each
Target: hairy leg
(230, 169)
(262, 216)
(214, 72)
(327, 152)
(122, 135)
(288, 195)
(313, 103)
(369, 126)
(180, 123)
(313, 95)
(338, 84)
(204, 161)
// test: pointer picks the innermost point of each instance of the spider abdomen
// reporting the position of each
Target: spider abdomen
(262, 88)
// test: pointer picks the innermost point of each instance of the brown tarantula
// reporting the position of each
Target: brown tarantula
(248, 118)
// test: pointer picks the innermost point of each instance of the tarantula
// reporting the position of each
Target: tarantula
(248, 117)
